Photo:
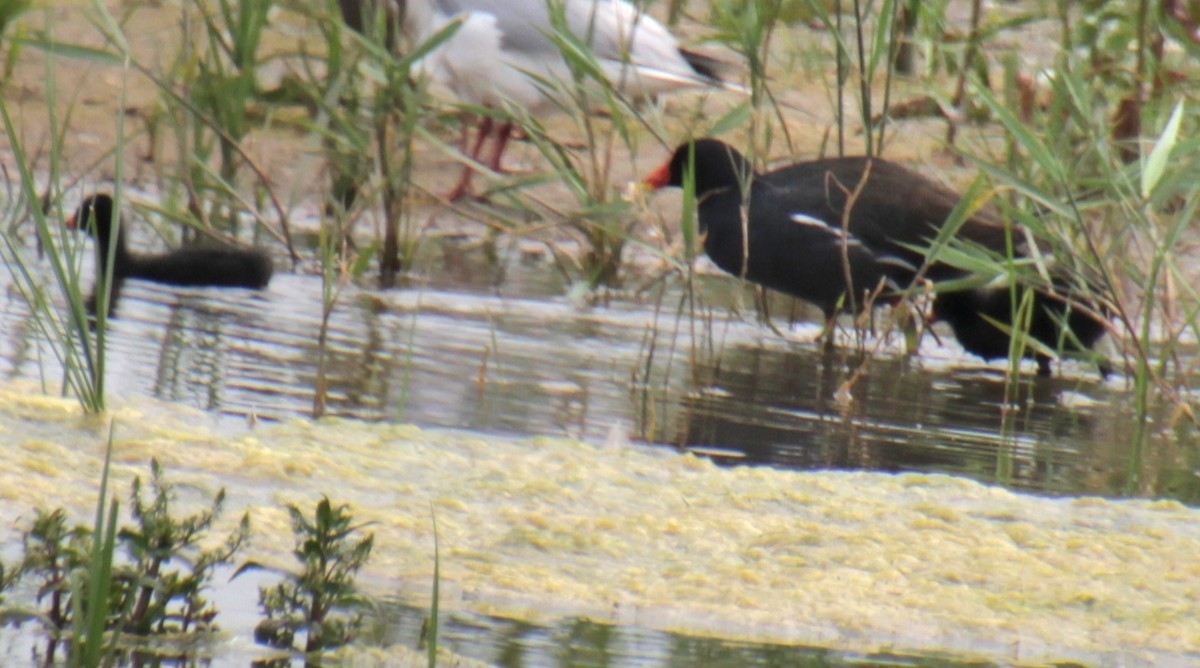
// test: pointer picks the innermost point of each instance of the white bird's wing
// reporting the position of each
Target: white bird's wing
(637, 54)
(523, 24)
(614, 29)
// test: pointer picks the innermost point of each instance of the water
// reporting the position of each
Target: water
(500, 349)
(580, 643)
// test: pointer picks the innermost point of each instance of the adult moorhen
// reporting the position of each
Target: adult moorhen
(803, 242)
(200, 266)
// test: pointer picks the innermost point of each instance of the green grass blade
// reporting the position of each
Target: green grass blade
(736, 118)
(63, 49)
(432, 645)
(1156, 164)
(88, 647)
(1037, 149)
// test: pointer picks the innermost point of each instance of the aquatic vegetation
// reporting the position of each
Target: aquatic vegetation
(137, 590)
(320, 601)
(161, 599)
(429, 632)
(92, 585)
(367, 107)
(52, 551)
(142, 579)
(349, 127)
(216, 102)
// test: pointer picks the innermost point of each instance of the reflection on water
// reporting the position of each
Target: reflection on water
(581, 643)
(780, 404)
(500, 350)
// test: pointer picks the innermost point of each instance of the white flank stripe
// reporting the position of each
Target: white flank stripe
(895, 262)
(811, 221)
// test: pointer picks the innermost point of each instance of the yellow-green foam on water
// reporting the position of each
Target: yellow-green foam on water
(543, 527)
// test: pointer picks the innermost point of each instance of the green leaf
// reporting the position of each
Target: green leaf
(1029, 141)
(73, 50)
(1156, 164)
(735, 118)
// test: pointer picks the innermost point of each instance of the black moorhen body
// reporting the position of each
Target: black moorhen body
(800, 244)
(198, 266)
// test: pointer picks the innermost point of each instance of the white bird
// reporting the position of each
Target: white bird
(504, 52)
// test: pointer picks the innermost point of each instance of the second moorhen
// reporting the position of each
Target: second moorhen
(198, 266)
(804, 242)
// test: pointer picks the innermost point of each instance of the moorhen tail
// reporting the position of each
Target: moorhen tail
(804, 242)
(973, 315)
(198, 266)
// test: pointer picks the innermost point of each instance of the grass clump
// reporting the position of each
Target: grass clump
(75, 340)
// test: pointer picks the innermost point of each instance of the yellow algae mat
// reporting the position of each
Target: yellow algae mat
(537, 528)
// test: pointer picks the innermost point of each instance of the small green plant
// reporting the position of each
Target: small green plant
(321, 599)
(161, 599)
(89, 596)
(338, 267)
(54, 550)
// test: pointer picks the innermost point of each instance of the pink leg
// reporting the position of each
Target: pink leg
(503, 134)
(485, 130)
(465, 140)
(464, 181)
